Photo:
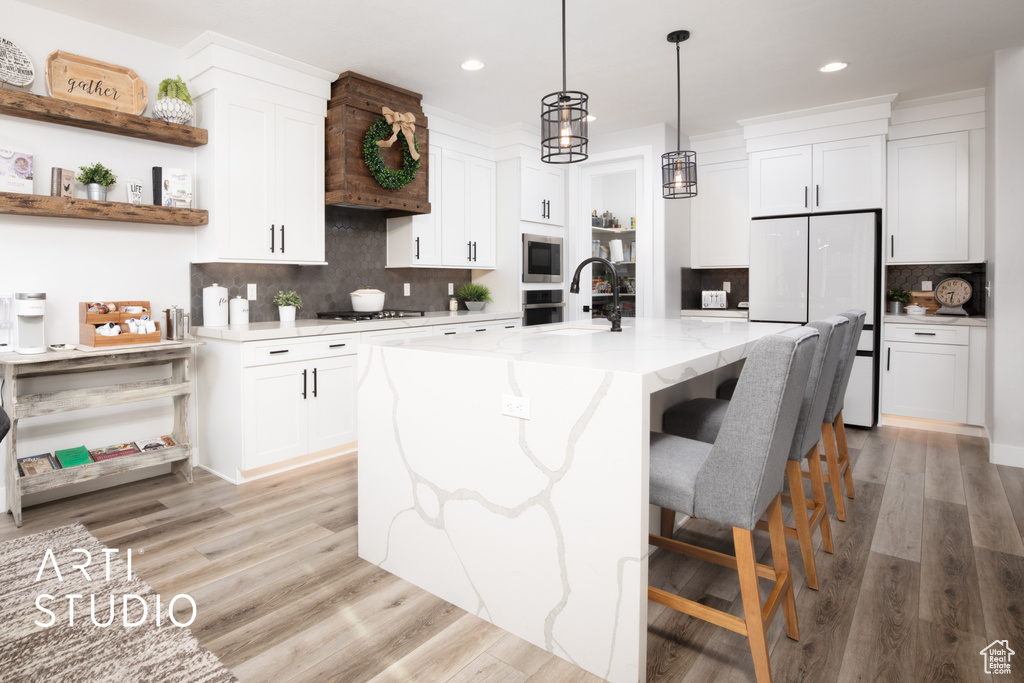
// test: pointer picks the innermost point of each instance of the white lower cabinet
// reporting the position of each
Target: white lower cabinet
(491, 325)
(926, 372)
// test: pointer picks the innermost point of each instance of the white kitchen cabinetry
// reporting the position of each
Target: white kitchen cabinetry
(720, 217)
(397, 334)
(926, 372)
(267, 402)
(460, 231)
(928, 215)
(262, 173)
(491, 325)
(832, 176)
(542, 198)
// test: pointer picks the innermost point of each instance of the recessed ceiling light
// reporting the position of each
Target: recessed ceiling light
(833, 66)
(591, 117)
(472, 65)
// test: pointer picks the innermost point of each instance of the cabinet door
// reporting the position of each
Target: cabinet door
(332, 402)
(299, 182)
(780, 181)
(720, 213)
(481, 212)
(456, 245)
(246, 203)
(847, 175)
(928, 199)
(276, 414)
(542, 199)
(925, 380)
(426, 228)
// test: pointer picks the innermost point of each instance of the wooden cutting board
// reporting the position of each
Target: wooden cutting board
(99, 84)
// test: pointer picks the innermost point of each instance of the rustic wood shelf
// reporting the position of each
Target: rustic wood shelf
(67, 207)
(94, 470)
(38, 108)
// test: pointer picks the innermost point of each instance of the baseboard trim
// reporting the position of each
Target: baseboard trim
(932, 425)
(1004, 454)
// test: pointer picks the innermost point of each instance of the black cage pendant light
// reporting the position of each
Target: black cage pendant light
(563, 121)
(679, 168)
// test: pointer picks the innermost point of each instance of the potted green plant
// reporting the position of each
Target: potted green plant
(96, 178)
(173, 101)
(287, 303)
(897, 298)
(475, 296)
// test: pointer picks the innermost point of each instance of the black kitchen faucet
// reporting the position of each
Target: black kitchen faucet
(574, 288)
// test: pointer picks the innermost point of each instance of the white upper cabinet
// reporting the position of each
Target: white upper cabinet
(928, 217)
(542, 199)
(262, 174)
(416, 240)
(720, 222)
(830, 176)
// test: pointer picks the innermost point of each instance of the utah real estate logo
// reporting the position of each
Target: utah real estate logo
(997, 657)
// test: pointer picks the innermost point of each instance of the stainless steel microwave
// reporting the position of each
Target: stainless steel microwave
(542, 258)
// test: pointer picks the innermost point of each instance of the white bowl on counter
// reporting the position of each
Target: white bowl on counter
(915, 310)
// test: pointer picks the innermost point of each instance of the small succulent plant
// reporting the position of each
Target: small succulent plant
(174, 88)
(97, 173)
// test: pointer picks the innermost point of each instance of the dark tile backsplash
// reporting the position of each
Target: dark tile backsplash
(356, 252)
(910, 277)
(694, 281)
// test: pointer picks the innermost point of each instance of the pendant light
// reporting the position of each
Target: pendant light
(679, 168)
(563, 121)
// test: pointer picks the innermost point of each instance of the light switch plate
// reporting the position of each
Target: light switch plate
(451, 288)
(251, 293)
(406, 289)
(727, 287)
(926, 285)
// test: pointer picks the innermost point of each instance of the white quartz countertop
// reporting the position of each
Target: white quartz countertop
(972, 321)
(313, 327)
(667, 350)
(713, 313)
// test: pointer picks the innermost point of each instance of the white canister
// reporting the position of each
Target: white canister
(215, 306)
(615, 249)
(239, 311)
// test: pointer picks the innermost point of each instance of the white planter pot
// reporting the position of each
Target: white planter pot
(287, 313)
(96, 191)
(476, 305)
(173, 110)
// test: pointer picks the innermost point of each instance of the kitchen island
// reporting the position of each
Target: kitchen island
(507, 472)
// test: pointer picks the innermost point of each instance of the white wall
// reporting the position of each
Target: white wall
(1005, 252)
(82, 260)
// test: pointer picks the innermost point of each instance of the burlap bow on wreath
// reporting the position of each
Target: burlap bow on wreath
(393, 123)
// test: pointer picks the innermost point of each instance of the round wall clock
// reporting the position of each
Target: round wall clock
(953, 293)
(15, 66)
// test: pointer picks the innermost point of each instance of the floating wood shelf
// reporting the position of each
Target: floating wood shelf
(38, 108)
(66, 207)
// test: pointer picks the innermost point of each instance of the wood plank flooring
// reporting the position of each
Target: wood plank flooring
(928, 569)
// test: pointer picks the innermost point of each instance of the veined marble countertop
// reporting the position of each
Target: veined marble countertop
(312, 327)
(971, 321)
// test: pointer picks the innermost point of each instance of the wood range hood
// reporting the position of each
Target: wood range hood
(356, 103)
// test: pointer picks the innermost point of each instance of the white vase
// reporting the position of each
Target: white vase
(96, 191)
(173, 110)
(287, 313)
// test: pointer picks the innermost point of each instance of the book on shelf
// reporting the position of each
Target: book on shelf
(115, 451)
(72, 457)
(37, 464)
(155, 443)
(62, 182)
(15, 171)
(172, 187)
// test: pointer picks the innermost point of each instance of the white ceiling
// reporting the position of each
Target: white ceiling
(745, 58)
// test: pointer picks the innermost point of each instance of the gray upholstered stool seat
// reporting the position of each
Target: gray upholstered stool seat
(5, 424)
(736, 480)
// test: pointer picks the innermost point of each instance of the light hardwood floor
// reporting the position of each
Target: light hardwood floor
(928, 569)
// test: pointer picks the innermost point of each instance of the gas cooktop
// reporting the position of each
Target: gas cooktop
(387, 313)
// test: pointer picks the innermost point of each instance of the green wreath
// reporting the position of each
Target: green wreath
(387, 178)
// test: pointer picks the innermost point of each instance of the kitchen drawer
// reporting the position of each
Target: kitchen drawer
(928, 334)
(397, 334)
(297, 348)
(447, 330)
(491, 325)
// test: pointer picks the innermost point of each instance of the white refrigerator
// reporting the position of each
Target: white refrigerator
(814, 266)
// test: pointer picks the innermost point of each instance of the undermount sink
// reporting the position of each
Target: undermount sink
(573, 331)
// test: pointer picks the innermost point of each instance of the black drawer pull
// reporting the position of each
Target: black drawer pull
(448, 333)
(925, 334)
(888, 357)
(281, 351)
(335, 346)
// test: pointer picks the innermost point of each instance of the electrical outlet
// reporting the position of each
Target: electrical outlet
(451, 288)
(406, 289)
(926, 285)
(727, 287)
(251, 293)
(515, 406)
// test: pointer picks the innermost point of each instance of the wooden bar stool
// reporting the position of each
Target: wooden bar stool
(735, 481)
(833, 432)
(701, 419)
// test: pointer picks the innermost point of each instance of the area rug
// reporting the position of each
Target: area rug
(46, 634)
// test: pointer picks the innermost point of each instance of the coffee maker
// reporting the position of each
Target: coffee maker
(29, 311)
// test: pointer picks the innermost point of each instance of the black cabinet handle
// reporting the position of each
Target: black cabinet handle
(282, 238)
(335, 346)
(888, 356)
(892, 246)
(805, 196)
(474, 251)
(543, 208)
(314, 382)
(448, 333)
(817, 195)
(417, 248)
(925, 334)
(274, 353)
(272, 226)
(303, 384)
(469, 251)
